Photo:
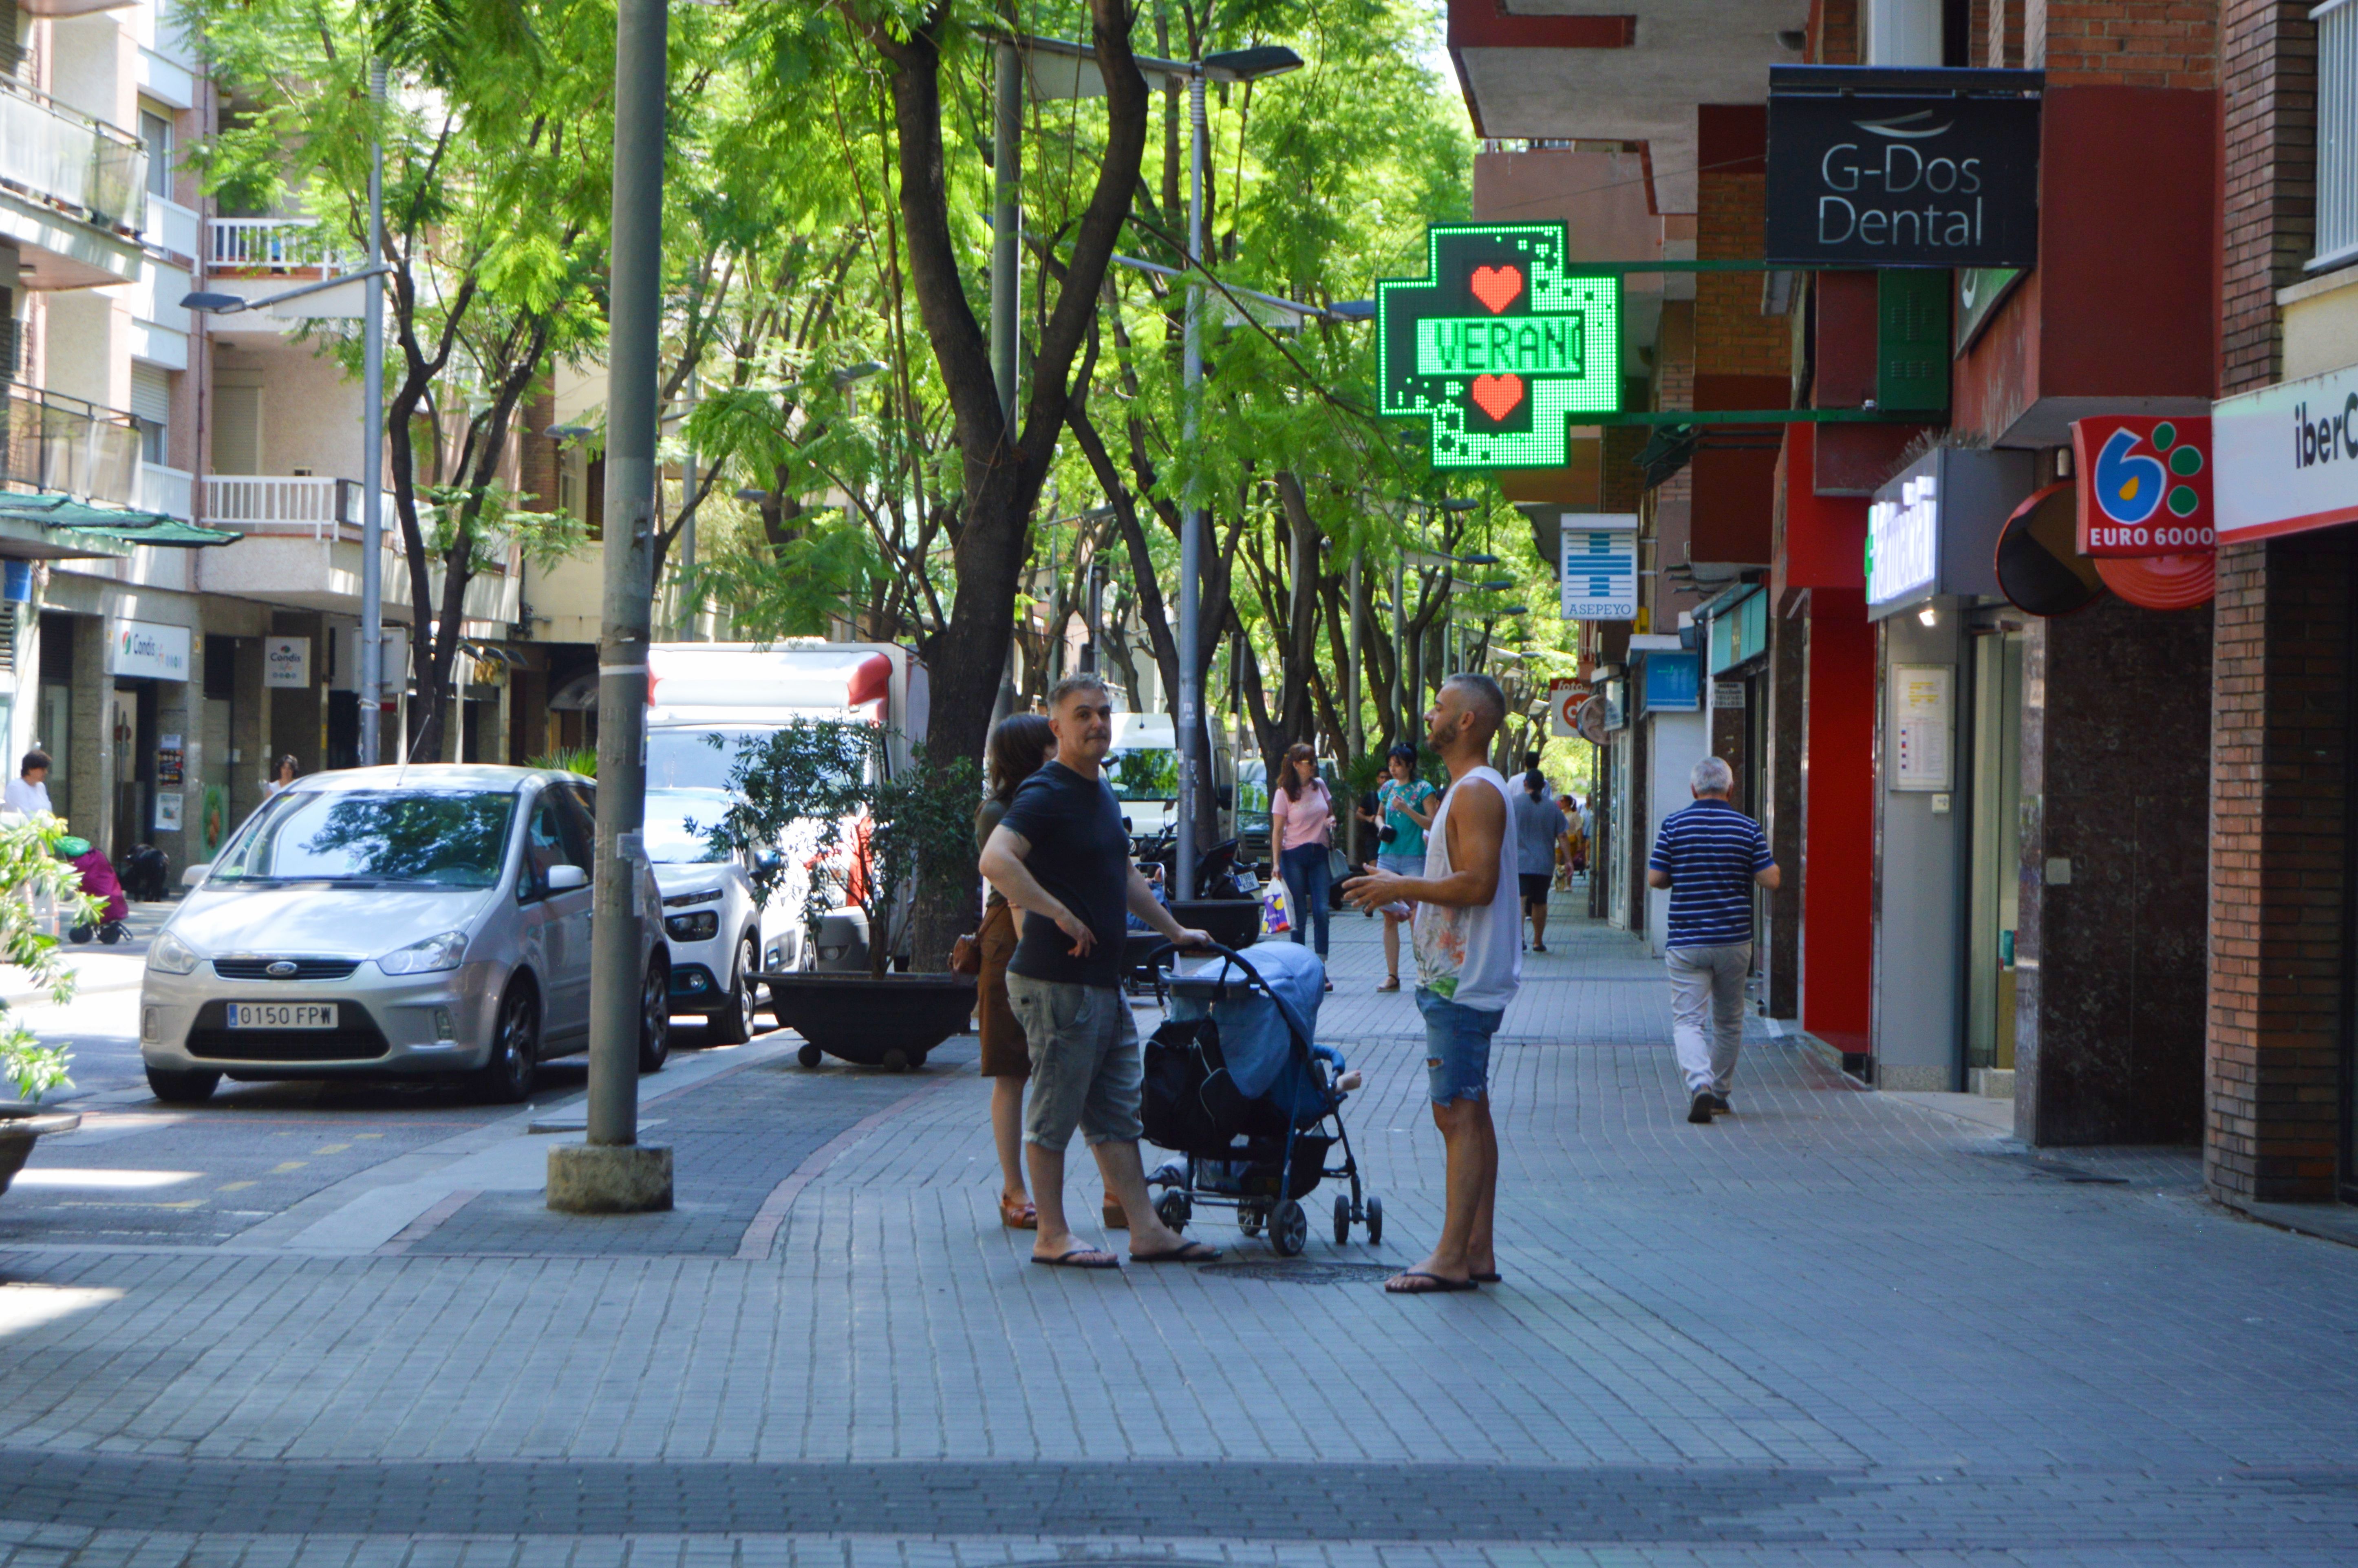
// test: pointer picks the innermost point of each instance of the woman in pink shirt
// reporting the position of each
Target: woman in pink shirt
(1301, 824)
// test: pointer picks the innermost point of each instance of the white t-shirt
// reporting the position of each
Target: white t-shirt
(1474, 956)
(30, 799)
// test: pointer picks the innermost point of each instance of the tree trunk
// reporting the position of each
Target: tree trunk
(1003, 472)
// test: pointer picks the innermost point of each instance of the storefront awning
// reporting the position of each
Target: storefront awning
(63, 514)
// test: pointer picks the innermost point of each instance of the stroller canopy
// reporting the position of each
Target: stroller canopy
(1257, 1026)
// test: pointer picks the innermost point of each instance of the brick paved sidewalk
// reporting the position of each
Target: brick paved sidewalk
(1837, 1327)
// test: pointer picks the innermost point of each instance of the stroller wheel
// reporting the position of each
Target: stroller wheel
(1174, 1209)
(810, 1055)
(113, 932)
(81, 934)
(1289, 1230)
(1342, 1219)
(1375, 1222)
(1248, 1221)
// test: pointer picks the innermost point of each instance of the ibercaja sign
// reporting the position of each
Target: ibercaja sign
(2145, 485)
(1501, 347)
(1871, 166)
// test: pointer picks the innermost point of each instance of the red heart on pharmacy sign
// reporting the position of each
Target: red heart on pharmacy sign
(1496, 286)
(1498, 395)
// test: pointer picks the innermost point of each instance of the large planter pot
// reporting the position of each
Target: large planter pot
(21, 1127)
(889, 1023)
(1232, 922)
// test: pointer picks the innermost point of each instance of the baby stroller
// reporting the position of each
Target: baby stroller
(99, 880)
(1235, 1086)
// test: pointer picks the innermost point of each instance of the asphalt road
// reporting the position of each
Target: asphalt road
(199, 1175)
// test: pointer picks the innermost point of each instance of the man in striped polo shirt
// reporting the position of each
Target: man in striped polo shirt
(1709, 856)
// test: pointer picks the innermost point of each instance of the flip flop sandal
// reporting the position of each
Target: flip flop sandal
(1436, 1285)
(1081, 1258)
(1188, 1253)
(1391, 983)
(1491, 1279)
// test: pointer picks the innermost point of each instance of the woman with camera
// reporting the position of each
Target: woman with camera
(1404, 807)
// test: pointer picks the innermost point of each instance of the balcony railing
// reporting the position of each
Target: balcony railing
(2337, 132)
(271, 245)
(171, 227)
(318, 508)
(84, 166)
(168, 491)
(68, 447)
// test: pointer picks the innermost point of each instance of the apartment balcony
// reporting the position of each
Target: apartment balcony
(73, 191)
(63, 445)
(301, 548)
(296, 248)
(171, 492)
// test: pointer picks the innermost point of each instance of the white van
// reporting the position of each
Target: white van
(697, 691)
(1143, 764)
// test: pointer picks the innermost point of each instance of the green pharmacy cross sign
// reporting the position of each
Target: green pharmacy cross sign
(1502, 346)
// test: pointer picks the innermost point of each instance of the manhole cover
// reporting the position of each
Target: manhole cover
(1301, 1272)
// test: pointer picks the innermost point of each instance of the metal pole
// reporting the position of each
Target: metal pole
(1192, 520)
(1006, 225)
(1399, 651)
(372, 671)
(687, 527)
(1354, 730)
(614, 974)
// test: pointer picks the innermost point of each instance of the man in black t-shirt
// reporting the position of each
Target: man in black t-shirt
(1062, 856)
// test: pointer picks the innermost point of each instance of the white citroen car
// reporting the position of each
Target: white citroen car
(391, 922)
(720, 933)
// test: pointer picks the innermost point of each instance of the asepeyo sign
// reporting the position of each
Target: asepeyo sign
(149, 649)
(1873, 166)
(2288, 456)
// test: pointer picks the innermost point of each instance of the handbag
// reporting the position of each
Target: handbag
(966, 955)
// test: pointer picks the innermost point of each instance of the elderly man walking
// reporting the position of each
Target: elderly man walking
(1062, 856)
(1709, 855)
(1469, 963)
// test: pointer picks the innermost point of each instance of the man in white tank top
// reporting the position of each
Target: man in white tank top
(1469, 961)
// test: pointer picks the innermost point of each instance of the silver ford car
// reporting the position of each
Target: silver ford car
(421, 920)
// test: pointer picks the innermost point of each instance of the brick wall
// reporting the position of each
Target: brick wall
(2122, 43)
(2002, 36)
(2281, 746)
(1732, 337)
(1834, 32)
(2279, 761)
(2268, 74)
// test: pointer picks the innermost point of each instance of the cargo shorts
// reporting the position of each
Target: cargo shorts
(1086, 1070)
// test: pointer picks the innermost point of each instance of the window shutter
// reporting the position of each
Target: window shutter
(151, 393)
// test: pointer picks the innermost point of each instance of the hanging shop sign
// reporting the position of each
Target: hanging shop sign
(1499, 346)
(149, 649)
(1931, 530)
(1873, 167)
(1598, 566)
(1673, 683)
(2144, 485)
(1565, 698)
(2288, 456)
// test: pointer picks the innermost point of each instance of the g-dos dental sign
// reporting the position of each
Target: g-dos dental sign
(1876, 168)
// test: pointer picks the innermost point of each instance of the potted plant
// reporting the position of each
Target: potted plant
(28, 866)
(894, 844)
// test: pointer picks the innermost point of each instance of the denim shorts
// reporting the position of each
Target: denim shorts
(1457, 1046)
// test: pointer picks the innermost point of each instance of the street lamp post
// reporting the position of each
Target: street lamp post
(1077, 76)
(613, 1172)
(372, 670)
